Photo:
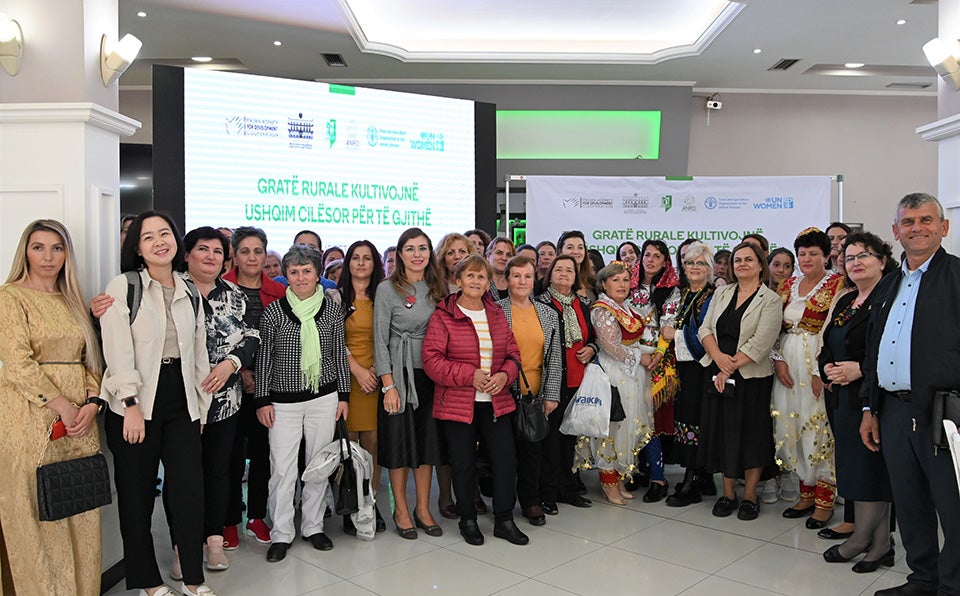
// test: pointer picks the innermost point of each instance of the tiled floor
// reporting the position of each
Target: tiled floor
(606, 550)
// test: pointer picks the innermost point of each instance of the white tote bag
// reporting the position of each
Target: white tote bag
(588, 413)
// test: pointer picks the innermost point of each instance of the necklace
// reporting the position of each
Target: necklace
(687, 305)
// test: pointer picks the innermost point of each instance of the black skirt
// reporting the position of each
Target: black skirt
(736, 433)
(861, 473)
(413, 438)
(687, 411)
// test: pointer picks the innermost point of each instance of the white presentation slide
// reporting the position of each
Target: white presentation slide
(347, 162)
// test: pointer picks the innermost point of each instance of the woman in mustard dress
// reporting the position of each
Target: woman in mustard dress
(362, 273)
(51, 367)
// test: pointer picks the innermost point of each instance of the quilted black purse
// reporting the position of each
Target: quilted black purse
(73, 486)
(344, 478)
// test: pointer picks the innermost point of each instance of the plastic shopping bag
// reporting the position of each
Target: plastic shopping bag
(588, 413)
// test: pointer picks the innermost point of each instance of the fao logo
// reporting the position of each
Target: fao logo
(373, 136)
(710, 202)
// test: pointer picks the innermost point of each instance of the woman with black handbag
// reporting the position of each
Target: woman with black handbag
(535, 326)
(625, 360)
(51, 372)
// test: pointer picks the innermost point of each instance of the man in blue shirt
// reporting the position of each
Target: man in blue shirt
(914, 350)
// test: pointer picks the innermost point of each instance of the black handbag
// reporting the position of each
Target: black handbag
(344, 478)
(616, 405)
(73, 486)
(946, 406)
(530, 424)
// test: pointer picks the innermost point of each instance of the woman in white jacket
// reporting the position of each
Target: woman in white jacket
(157, 385)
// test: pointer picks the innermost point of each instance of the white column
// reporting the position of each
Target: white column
(60, 134)
(946, 131)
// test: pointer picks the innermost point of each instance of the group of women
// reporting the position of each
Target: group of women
(422, 354)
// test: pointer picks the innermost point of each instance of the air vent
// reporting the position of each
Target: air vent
(909, 86)
(334, 60)
(784, 64)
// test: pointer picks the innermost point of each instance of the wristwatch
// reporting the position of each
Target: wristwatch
(388, 388)
(95, 400)
(129, 402)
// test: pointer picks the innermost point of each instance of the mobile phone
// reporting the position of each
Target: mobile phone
(58, 431)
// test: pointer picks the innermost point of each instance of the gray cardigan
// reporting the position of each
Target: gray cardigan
(551, 377)
(759, 328)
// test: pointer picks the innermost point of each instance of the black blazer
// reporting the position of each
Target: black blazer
(855, 343)
(934, 342)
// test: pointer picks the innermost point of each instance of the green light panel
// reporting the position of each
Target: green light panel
(578, 134)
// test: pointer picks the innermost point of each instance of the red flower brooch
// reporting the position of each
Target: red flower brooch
(411, 300)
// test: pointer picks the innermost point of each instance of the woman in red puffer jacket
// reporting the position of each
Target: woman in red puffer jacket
(471, 355)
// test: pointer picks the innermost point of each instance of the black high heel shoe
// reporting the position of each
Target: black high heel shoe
(406, 533)
(865, 566)
(433, 530)
(832, 555)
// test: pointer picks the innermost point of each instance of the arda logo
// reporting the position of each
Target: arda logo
(332, 131)
(666, 201)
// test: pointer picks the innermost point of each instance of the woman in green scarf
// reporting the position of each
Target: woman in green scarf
(303, 388)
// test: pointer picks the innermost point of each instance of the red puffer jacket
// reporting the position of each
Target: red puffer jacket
(451, 353)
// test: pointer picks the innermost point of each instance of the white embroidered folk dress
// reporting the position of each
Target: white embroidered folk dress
(618, 451)
(801, 435)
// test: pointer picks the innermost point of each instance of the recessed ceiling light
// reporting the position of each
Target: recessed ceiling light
(757, 51)
(141, 14)
(143, 177)
(278, 43)
(902, 22)
(201, 58)
(854, 64)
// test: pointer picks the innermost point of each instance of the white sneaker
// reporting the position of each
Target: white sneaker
(216, 559)
(201, 589)
(175, 573)
(789, 488)
(769, 493)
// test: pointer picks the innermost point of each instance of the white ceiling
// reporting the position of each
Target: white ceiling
(821, 33)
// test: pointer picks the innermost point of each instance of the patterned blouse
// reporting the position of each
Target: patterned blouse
(224, 308)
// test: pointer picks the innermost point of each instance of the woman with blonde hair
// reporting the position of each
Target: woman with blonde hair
(51, 373)
(452, 249)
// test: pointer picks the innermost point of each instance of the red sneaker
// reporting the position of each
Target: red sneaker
(259, 530)
(231, 540)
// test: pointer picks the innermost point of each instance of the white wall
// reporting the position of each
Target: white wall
(868, 139)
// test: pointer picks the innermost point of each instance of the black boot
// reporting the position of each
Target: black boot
(704, 483)
(686, 492)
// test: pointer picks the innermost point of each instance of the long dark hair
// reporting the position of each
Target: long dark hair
(658, 295)
(130, 260)
(435, 282)
(588, 277)
(345, 285)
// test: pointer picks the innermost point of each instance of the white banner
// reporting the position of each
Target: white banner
(718, 210)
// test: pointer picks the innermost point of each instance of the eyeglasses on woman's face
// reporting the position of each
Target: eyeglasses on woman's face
(698, 264)
(863, 256)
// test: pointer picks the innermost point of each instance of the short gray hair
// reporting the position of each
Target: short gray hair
(302, 254)
(699, 249)
(915, 201)
(614, 268)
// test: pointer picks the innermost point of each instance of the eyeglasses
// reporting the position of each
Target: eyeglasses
(860, 257)
(700, 264)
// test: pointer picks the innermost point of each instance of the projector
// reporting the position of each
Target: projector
(713, 104)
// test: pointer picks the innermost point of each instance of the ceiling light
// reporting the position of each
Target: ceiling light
(278, 43)
(141, 14)
(854, 64)
(11, 44)
(115, 58)
(943, 57)
(201, 58)
(143, 177)
(902, 22)
(757, 51)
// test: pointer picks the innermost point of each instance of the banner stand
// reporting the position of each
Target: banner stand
(519, 178)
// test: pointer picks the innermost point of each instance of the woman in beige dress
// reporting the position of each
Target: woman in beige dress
(51, 368)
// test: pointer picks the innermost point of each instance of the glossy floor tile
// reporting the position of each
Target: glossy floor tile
(640, 548)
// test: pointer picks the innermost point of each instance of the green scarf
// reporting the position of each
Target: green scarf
(571, 324)
(306, 310)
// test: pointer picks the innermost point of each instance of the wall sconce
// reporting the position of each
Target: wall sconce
(115, 58)
(11, 45)
(943, 56)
